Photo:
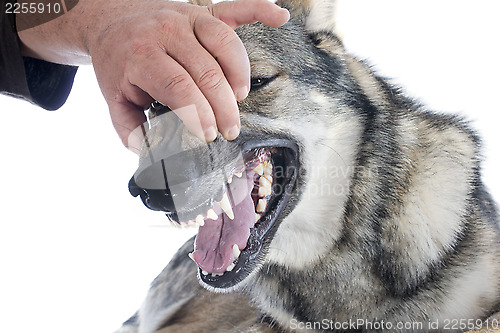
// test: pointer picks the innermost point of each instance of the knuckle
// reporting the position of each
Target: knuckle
(178, 84)
(210, 79)
(171, 25)
(226, 38)
(175, 24)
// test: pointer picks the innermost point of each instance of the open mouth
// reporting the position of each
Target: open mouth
(237, 225)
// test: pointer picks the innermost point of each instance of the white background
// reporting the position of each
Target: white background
(77, 252)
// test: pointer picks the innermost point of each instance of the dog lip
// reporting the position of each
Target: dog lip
(268, 142)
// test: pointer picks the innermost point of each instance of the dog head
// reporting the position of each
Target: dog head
(251, 196)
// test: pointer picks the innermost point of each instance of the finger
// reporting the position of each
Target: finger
(237, 13)
(210, 78)
(190, 117)
(168, 82)
(225, 46)
(126, 118)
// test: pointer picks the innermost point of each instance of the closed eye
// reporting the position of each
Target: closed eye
(260, 82)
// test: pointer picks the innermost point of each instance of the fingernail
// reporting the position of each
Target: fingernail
(232, 133)
(210, 134)
(241, 93)
(287, 14)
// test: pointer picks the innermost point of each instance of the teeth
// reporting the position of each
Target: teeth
(211, 214)
(230, 180)
(263, 181)
(200, 221)
(268, 169)
(238, 174)
(261, 205)
(226, 206)
(204, 272)
(257, 217)
(190, 255)
(217, 274)
(259, 169)
(264, 187)
(230, 267)
(236, 251)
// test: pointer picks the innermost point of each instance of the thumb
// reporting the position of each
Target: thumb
(237, 13)
(128, 120)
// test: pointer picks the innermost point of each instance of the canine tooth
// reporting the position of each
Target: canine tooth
(259, 169)
(200, 221)
(261, 205)
(211, 214)
(204, 272)
(230, 180)
(190, 255)
(226, 206)
(238, 174)
(236, 251)
(230, 267)
(257, 217)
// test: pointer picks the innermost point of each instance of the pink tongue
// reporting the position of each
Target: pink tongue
(215, 240)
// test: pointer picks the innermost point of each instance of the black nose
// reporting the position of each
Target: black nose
(153, 199)
(171, 164)
(158, 183)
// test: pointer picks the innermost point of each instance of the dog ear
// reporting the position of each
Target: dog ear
(328, 42)
(315, 15)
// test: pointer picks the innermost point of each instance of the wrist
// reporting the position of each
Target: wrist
(51, 30)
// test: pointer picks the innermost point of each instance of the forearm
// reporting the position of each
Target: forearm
(54, 31)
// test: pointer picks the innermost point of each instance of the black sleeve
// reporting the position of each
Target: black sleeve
(42, 83)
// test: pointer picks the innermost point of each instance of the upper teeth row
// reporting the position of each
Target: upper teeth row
(237, 174)
(199, 221)
(224, 204)
(264, 168)
(265, 171)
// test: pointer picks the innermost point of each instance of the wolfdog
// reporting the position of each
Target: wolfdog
(342, 206)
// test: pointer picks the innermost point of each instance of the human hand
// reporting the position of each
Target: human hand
(185, 56)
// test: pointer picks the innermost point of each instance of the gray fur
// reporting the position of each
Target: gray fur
(389, 220)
